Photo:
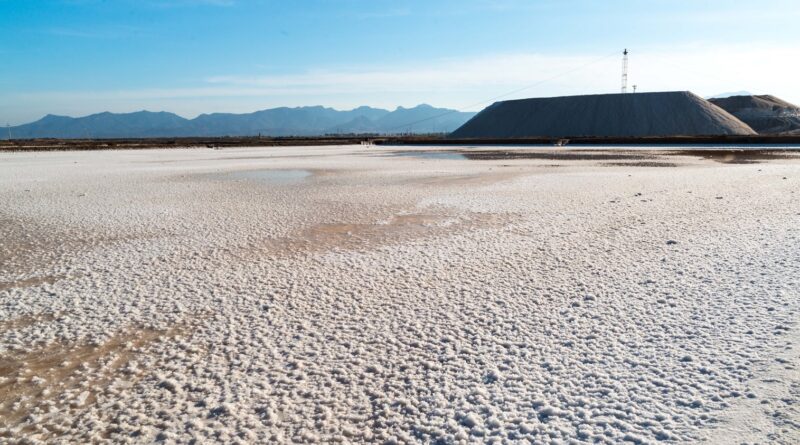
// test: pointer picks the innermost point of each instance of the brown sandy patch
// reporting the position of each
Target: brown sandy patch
(445, 180)
(362, 236)
(500, 174)
(25, 321)
(68, 376)
(29, 248)
(24, 246)
(30, 282)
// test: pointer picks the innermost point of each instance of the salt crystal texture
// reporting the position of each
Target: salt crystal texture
(187, 296)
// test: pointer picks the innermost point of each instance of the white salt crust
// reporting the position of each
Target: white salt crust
(358, 297)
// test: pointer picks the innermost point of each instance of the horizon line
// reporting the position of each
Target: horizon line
(242, 113)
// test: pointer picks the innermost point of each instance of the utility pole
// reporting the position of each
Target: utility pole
(8, 127)
(634, 88)
(625, 71)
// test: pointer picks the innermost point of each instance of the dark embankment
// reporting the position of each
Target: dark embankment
(690, 142)
(765, 114)
(134, 144)
(603, 115)
(655, 141)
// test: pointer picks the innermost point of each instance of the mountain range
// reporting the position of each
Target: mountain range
(299, 121)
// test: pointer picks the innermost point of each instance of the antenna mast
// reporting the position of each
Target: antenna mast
(625, 71)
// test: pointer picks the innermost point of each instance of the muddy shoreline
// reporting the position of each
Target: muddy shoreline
(709, 142)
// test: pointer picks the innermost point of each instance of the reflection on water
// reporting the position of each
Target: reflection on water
(448, 155)
(272, 176)
(687, 147)
(741, 154)
(454, 149)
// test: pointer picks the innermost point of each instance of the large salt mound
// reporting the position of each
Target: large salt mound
(765, 114)
(641, 114)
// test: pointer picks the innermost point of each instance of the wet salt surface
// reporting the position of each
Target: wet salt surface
(689, 147)
(644, 156)
(393, 301)
(623, 147)
(423, 154)
(284, 177)
(615, 157)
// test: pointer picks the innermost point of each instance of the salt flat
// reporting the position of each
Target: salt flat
(345, 294)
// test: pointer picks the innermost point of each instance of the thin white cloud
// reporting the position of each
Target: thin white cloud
(692, 67)
(749, 14)
(456, 83)
(451, 74)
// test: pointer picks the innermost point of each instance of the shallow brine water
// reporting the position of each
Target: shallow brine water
(443, 155)
(272, 176)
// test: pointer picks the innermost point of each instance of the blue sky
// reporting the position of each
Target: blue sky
(76, 57)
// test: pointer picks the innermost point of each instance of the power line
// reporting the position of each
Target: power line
(562, 74)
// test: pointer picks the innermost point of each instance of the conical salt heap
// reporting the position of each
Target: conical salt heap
(678, 113)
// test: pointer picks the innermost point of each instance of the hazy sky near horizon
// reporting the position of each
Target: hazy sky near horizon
(77, 57)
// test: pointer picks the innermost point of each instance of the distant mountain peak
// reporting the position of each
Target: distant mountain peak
(282, 121)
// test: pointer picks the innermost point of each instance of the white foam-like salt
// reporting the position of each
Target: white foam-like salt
(523, 306)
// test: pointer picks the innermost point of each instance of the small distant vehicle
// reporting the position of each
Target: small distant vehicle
(561, 142)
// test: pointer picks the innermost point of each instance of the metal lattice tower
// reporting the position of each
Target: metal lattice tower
(625, 71)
